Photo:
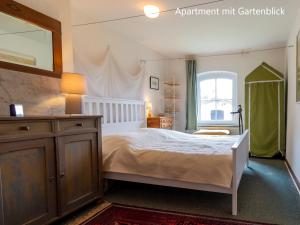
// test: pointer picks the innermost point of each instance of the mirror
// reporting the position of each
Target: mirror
(29, 41)
(25, 44)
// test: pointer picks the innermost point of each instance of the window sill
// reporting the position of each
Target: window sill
(218, 125)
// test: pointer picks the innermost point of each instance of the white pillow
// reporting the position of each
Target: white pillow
(212, 132)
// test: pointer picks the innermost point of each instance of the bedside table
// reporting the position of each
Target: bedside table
(160, 122)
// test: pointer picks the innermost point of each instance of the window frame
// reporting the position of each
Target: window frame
(217, 75)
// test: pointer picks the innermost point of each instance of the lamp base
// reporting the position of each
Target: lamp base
(73, 104)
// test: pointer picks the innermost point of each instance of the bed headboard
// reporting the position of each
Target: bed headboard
(119, 115)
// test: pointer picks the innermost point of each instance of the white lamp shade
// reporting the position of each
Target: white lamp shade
(73, 83)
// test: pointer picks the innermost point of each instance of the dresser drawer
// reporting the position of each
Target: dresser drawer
(25, 128)
(167, 125)
(163, 125)
(77, 124)
(153, 122)
(160, 122)
(166, 122)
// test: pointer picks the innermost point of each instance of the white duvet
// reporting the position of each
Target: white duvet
(171, 155)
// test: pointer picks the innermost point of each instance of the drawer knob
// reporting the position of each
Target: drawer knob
(25, 128)
(79, 124)
(51, 179)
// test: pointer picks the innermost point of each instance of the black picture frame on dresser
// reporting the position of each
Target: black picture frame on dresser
(16, 110)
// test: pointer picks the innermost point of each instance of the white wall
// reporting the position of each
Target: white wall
(91, 42)
(177, 72)
(240, 64)
(293, 123)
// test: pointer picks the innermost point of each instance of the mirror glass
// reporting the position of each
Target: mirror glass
(25, 44)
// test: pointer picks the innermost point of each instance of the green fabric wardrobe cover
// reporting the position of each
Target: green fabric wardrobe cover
(265, 111)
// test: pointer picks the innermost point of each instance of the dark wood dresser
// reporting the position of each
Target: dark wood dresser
(160, 122)
(49, 167)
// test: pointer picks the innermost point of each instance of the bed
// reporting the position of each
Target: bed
(216, 163)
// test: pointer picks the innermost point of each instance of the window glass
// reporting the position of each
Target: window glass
(224, 89)
(207, 89)
(216, 97)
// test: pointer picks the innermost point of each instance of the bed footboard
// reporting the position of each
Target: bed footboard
(240, 158)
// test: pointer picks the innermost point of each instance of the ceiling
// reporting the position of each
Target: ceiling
(172, 35)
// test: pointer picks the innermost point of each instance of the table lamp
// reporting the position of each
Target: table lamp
(74, 86)
(149, 109)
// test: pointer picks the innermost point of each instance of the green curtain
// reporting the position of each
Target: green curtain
(191, 103)
(265, 111)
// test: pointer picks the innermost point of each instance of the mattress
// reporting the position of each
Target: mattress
(171, 155)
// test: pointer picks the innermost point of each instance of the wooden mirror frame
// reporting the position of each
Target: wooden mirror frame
(25, 13)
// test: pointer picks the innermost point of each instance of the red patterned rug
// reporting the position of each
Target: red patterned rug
(126, 215)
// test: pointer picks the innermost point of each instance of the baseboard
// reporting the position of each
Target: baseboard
(293, 175)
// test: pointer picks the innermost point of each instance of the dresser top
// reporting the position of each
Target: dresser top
(12, 118)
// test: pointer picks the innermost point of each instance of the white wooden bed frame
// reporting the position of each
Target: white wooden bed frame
(121, 115)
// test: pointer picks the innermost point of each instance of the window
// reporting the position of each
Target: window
(217, 98)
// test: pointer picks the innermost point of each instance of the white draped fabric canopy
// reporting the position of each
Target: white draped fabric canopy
(108, 79)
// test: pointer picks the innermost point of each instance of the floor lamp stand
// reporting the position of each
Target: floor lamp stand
(241, 126)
